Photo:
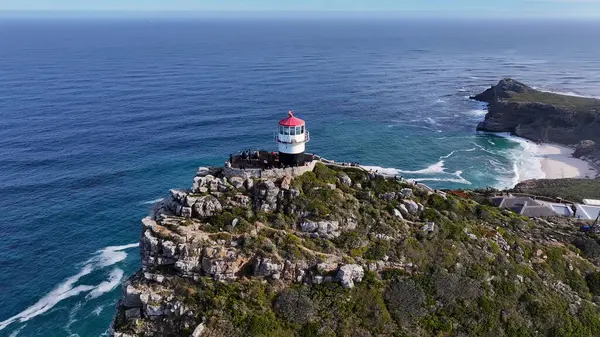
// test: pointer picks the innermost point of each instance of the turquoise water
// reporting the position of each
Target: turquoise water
(101, 117)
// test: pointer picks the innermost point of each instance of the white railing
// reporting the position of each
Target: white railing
(291, 140)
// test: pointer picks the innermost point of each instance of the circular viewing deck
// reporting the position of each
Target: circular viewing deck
(263, 160)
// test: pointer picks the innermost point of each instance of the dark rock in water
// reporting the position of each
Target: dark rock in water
(542, 116)
(585, 148)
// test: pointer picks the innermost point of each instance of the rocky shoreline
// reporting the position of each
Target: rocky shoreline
(544, 117)
(176, 243)
(341, 251)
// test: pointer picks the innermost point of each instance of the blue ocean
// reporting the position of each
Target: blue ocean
(99, 118)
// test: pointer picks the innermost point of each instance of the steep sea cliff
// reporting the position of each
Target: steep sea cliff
(543, 117)
(341, 251)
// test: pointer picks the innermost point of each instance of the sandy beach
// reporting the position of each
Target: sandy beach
(557, 162)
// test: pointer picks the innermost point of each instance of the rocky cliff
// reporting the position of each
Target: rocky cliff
(343, 252)
(543, 117)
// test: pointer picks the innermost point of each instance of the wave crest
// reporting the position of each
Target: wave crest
(431, 169)
(103, 258)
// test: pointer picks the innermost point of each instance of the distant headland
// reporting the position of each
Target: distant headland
(544, 117)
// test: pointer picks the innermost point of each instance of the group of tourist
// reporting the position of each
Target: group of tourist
(251, 159)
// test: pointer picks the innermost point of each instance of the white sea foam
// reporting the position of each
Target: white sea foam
(383, 170)
(111, 255)
(98, 310)
(116, 275)
(455, 151)
(431, 169)
(118, 248)
(525, 160)
(152, 202)
(17, 331)
(72, 319)
(451, 180)
(440, 101)
(477, 112)
(485, 150)
(458, 179)
(103, 258)
(435, 168)
(431, 121)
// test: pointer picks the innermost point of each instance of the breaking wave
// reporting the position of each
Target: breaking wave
(458, 179)
(116, 275)
(431, 169)
(103, 258)
(526, 162)
(477, 112)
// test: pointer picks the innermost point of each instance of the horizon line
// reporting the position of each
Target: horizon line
(333, 13)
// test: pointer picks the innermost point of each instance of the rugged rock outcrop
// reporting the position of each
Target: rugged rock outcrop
(543, 117)
(341, 252)
(586, 148)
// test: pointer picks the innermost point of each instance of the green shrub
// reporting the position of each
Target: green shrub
(350, 240)
(378, 250)
(451, 287)
(588, 246)
(356, 175)
(263, 324)
(593, 283)
(405, 300)
(476, 271)
(325, 174)
(295, 306)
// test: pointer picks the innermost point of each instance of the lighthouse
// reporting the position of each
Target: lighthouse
(292, 137)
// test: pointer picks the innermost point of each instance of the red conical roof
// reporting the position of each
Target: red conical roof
(291, 121)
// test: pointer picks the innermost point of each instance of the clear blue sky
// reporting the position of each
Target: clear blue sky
(450, 8)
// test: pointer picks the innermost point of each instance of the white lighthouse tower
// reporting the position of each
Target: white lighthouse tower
(292, 137)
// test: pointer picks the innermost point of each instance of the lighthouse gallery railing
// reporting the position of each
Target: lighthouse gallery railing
(292, 141)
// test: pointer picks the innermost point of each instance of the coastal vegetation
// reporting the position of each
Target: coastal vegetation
(421, 263)
(575, 103)
(569, 189)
